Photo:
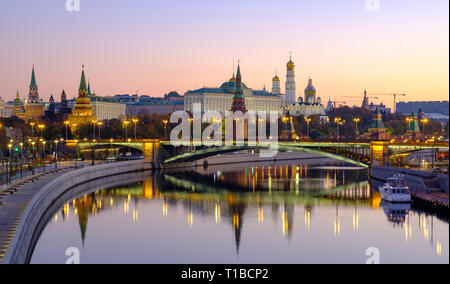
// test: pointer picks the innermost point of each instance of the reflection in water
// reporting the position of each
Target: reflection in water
(244, 198)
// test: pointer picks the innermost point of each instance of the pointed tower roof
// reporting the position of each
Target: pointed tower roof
(83, 85)
(89, 87)
(52, 100)
(33, 78)
(238, 75)
(17, 95)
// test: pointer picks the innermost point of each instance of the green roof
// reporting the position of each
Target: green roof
(83, 86)
(33, 79)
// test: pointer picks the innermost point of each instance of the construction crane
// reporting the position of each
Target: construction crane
(336, 102)
(391, 95)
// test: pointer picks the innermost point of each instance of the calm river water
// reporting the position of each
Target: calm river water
(262, 213)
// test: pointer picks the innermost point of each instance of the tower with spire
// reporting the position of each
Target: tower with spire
(34, 108)
(82, 112)
(18, 107)
(64, 108)
(365, 103)
(276, 85)
(238, 102)
(290, 83)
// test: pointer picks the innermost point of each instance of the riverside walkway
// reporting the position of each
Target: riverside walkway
(15, 198)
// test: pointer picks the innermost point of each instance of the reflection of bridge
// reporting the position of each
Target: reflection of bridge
(163, 153)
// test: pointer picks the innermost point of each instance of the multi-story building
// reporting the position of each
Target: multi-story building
(6, 110)
(427, 107)
(220, 99)
(106, 108)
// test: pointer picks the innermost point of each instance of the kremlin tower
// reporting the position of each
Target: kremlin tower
(290, 83)
(276, 85)
(34, 109)
(82, 112)
(238, 103)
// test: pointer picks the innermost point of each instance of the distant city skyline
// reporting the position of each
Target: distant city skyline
(155, 47)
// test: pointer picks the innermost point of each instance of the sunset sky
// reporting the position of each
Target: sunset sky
(156, 46)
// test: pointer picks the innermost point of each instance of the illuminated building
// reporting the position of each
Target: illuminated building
(34, 107)
(377, 130)
(290, 97)
(82, 112)
(310, 105)
(413, 130)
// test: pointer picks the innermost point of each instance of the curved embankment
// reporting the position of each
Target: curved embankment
(55, 194)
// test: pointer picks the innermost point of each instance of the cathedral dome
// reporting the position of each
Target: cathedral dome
(300, 100)
(276, 79)
(290, 65)
(310, 87)
(319, 100)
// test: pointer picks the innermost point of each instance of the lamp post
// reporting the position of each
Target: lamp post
(21, 159)
(41, 127)
(94, 122)
(356, 120)
(76, 157)
(32, 129)
(32, 151)
(43, 153)
(165, 122)
(99, 124)
(424, 122)
(308, 121)
(56, 154)
(67, 124)
(135, 121)
(8, 178)
(338, 122)
(126, 123)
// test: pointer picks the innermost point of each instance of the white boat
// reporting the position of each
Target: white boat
(395, 190)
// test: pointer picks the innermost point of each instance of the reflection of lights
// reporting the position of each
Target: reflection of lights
(190, 219)
(66, 210)
(235, 221)
(337, 227)
(355, 221)
(438, 249)
(165, 209)
(426, 234)
(217, 213)
(56, 217)
(135, 214)
(308, 219)
(408, 231)
(111, 201)
(126, 207)
(260, 215)
(285, 222)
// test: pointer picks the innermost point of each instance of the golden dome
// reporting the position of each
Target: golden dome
(276, 79)
(290, 65)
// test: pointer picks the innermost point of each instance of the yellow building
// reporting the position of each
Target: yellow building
(82, 112)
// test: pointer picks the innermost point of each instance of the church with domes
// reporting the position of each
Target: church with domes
(309, 105)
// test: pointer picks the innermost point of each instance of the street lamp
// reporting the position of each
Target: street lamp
(41, 127)
(94, 122)
(308, 121)
(135, 121)
(8, 178)
(165, 128)
(21, 158)
(126, 123)
(99, 129)
(67, 124)
(424, 121)
(32, 129)
(338, 122)
(56, 154)
(32, 151)
(357, 120)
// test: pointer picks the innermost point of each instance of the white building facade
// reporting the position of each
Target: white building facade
(220, 99)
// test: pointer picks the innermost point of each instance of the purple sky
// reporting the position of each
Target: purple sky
(155, 46)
